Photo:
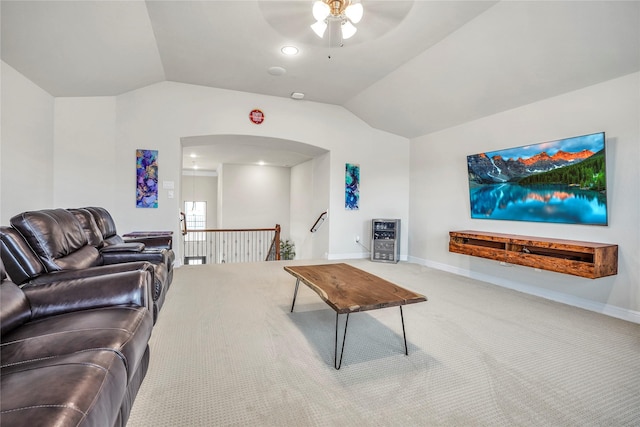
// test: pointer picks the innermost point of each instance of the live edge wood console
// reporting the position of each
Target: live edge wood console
(584, 259)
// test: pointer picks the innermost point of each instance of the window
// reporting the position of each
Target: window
(196, 217)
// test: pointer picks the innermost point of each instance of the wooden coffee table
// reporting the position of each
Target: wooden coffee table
(347, 289)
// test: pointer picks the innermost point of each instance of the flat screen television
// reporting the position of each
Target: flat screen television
(562, 181)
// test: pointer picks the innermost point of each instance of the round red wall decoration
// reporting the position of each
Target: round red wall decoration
(256, 116)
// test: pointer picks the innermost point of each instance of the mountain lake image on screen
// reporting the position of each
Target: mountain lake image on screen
(562, 181)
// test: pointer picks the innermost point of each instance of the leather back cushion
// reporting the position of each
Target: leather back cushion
(104, 220)
(57, 238)
(88, 223)
(20, 262)
(14, 307)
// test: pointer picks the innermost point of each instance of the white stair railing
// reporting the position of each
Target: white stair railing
(216, 246)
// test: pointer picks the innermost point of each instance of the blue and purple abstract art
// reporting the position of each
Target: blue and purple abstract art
(146, 178)
(352, 187)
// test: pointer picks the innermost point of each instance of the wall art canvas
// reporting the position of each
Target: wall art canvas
(561, 181)
(146, 178)
(352, 187)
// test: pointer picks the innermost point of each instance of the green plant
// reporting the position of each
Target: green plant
(287, 250)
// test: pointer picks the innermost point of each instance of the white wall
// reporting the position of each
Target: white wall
(321, 202)
(255, 197)
(309, 199)
(440, 202)
(159, 115)
(84, 153)
(384, 193)
(26, 167)
(301, 209)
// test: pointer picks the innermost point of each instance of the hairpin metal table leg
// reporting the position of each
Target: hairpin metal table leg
(295, 293)
(404, 335)
(337, 364)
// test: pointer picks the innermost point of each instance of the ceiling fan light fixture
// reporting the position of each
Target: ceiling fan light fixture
(348, 30)
(337, 15)
(320, 10)
(319, 28)
(354, 12)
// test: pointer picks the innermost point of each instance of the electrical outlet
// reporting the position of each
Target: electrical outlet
(357, 239)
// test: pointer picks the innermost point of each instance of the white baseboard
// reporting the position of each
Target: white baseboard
(357, 255)
(606, 309)
(354, 255)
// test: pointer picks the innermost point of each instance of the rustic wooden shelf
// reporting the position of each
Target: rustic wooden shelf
(584, 259)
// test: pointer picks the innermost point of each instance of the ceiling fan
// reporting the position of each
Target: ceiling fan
(293, 19)
(338, 16)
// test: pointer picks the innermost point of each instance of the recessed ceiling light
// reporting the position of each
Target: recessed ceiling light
(193, 155)
(289, 50)
(297, 95)
(261, 163)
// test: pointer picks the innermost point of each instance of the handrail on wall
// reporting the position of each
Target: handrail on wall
(183, 221)
(319, 222)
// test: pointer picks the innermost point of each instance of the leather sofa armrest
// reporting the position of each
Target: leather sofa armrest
(155, 257)
(101, 270)
(152, 242)
(153, 233)
(124, 247)
(132, 287)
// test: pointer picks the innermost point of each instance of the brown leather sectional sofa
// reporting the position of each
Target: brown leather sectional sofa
(39, 245)
(75, 321)
(74, 353)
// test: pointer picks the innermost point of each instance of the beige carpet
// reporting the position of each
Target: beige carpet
(227, 351)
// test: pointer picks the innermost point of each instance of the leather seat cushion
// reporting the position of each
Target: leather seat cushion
(83, 388)
(124, 329)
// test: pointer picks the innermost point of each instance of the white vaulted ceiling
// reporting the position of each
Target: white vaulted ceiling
(414, 67)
